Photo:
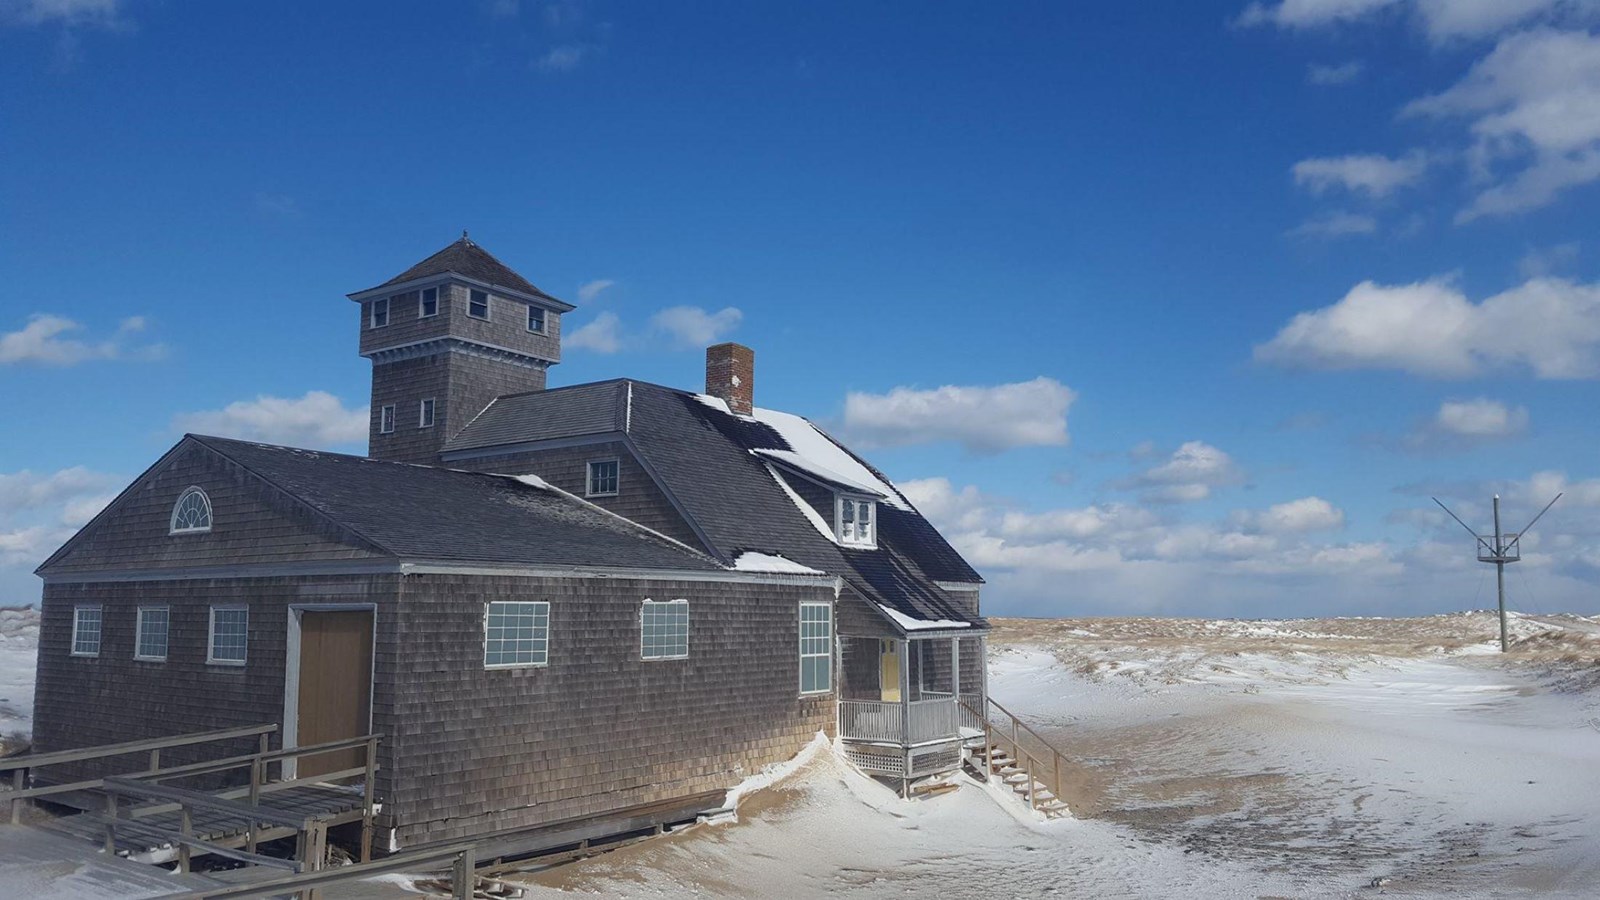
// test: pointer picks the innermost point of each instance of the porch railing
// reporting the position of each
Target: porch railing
(933, 718)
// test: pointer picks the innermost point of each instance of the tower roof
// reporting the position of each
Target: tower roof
(464, 257)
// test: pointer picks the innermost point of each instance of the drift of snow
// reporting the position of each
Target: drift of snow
(751, 561)
(773, 774)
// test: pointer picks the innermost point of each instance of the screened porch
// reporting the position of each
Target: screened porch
(909, 692)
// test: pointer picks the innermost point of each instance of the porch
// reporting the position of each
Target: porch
(907, 704)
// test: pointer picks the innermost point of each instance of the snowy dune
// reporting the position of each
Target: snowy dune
(19, 642)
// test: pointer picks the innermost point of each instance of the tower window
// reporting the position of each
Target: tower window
(386, 420)
(425, 415)
(429, 304)
(603, 477)
(536, 319)
(380, 313)
(478, 305)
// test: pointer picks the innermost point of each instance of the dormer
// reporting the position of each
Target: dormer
(849, 507)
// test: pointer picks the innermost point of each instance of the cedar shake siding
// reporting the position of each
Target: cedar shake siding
(112, 698)
(506, 327)
(461, 385)
(597, 729)
(252, 524)
(638, 496)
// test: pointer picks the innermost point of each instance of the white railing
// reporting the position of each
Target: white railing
(915, 722)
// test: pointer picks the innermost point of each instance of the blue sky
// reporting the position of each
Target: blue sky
(1176, 307)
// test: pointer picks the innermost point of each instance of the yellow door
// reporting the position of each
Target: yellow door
(889, 670)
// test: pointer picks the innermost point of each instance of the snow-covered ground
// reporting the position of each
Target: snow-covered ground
(19, 643)
(1327, 758)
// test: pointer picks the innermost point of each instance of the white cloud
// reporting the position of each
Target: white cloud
(29, 546)
(1480, 418)
(45, 340)
(280, 206)
(1335, 225)
(1441, 20)
(692, 326)
(589, 290)
(602, 334)
(1294, 517)
(1548, 326)
(1371, 174)
(1534, 106)
(564, 58)
(1339, 73)
(1539, 262)
(28, 490)
(318, 419)
(984, 419)
(71, 13)
(1193, 471)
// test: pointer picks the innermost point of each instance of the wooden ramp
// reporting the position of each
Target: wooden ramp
(37, 863)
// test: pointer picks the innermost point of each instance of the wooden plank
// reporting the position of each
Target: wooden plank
(199, 800)
(35, 760)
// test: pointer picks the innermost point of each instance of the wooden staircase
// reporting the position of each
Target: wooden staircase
(1020, 758)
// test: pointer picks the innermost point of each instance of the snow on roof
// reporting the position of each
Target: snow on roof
(795, 460)
(820, 451)
(754, 561)
(805, 508)
(910, 624)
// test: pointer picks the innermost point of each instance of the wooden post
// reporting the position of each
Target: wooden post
(111, 824)
(1032, 784)
(1056, 789)
(316, 851)
(155, 760)
(18, 779)
(186, 829)
(368, 789)
(262, 746)
(464, 879)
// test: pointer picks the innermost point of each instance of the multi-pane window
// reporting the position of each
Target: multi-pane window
(536, 319)
(191, 513)
(816, 648)
(478, 305)
(86, 630)
(664, 629)
(602, 478)
(386, 420)
(516, 633)
(425, 414)
(429, 304)
(230, 635)
(150, 638)
(380, 313)
(856, 522)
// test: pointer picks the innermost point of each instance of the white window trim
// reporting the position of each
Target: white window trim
(438, 292)
(386, 412)
(488, 305)
(423, 420)
(138, 633)
(372, 313)
(528, 665)
(100, 638)
(544, 319)
(588, 477)
(838, 522)
(800, 664)
(647, 603)
(211, 636)
(172, 521)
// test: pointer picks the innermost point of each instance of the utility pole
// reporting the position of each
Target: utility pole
(1501, 549)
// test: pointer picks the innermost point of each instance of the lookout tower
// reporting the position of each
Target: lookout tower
(446, 337)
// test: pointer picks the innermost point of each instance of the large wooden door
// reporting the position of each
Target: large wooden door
(889, 670)
(335, 687)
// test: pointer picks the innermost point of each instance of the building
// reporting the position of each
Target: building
(553, 604)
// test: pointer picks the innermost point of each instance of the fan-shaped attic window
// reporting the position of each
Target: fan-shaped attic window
(192, 514)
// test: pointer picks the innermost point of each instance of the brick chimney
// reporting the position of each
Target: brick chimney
(731, 375)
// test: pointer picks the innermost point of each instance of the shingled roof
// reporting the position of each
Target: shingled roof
(466, 258)
(723, 471)
(427, 512)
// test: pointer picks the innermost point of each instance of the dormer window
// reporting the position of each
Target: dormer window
(192, 513)
(478, 304)
(856, 522)
(603, 478)
(536, 319)
(429, 303)
(380, 312)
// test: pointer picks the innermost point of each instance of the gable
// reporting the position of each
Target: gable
(252, 523)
